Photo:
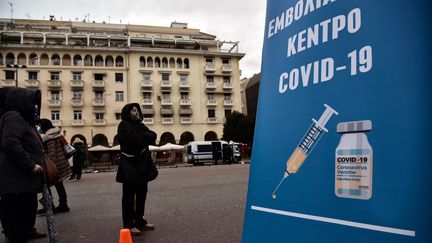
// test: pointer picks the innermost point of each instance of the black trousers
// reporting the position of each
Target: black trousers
(61, 191)
(19, 215)
(133, 204)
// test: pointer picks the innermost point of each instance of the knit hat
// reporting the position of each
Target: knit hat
(77, 140)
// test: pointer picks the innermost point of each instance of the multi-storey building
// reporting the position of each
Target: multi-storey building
(186, 81)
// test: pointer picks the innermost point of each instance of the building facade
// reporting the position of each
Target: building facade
(186, 81)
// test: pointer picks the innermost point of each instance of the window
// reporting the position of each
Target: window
(209, 60)
(227, 96)
(227, 79)
(211, 113)
(10, 74)
(165, 76)
(99, 95)
(55, 115)
(99, 116)
(184, 95)
(55, 75)
(119, 96)
(147, 95)
(227, 113)
(32, 76)
(76, 76)
(225, 61)
(210, 79)
(183, 77)
(77, 115)
(119, 77)
(118, 115)
(146, 76)
(98, 76)
(77, 95)
(210, 96)
(55, 95)
(166, 95)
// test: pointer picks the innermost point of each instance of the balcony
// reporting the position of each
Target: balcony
(185, 120)
(227, 85)
(54, 84)
(184, 85)
(211, 103)
(147, 120)
(98, 102)
(166, 102)
(228, 103)
(54, 103)
(56, 123)
(147, 102)
(166, 84)
(226, 68)
(8, 83)
(187, 111)
(77, 102)
(99, 122)
(32, 84)
(185, 102)
(148, 112)
(212, 120)
(210, 85)
(167, 120)
(77, 123)
(210, 68)
(146, 84)
(77, 84)
(166, 111)
(98, 84)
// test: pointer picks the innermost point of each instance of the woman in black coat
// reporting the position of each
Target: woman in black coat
(21, 158)
(136, 168)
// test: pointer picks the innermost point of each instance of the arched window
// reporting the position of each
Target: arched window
(186, 63)
(44, 59)
(157, 62)
(77, 60)
(210, 136)
(172, 63)
(179, 63)
(22, 59)
(99, 62)
(164, 62)
(186, 137)
(109, 61)
(100, 139)
(119, 61)
(88, 60)
(1, 60)
(66, 60)
(10, 59)
(166, 137)
(55, 59)
(33, 59)
(142, 62)
(149, 62)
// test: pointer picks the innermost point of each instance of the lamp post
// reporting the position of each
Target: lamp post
(16, 71)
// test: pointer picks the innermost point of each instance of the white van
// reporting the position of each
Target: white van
(211, 151)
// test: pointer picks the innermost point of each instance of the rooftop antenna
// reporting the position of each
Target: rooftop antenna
(11, 10)
(27, 15)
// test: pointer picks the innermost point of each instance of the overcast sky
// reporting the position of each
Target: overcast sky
(230, 20)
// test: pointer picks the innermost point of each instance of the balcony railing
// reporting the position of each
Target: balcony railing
(146, 84)
(167, 120)
(32, 83)
(8, 83)
(210, 67)
(226, 68)
(228, 103)
(77, 84)
(184, 85)
(212, 120)
(185, 120)
(98, 102)
(99, 122)
(147, 102)
(147, 120)
(185, 102)
(98, 84)
(165, 84)
(227, 85)
(54, 103)
(77, 102)
(56, 123)
(166, 102)
(211, 103)
(210, 85)
(77, 123)
(54, 84)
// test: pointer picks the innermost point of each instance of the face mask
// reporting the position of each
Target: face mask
(137, 117)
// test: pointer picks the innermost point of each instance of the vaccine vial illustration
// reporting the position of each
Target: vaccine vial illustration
(354, 157)
(307, 144)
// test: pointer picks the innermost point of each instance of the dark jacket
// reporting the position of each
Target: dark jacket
(80, 156)
(134, 138)
(20, 146)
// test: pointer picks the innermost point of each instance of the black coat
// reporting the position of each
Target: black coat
(20, 147)
(134, 138)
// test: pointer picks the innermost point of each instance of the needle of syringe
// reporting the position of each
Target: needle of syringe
(280, 183)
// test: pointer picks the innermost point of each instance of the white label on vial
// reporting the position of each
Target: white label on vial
(353, 173)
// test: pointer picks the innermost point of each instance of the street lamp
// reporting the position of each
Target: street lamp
(16, 71)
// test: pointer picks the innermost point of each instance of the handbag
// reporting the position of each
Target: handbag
(51, 171)
(68, 150)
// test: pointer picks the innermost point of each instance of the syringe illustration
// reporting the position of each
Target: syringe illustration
(307, 144)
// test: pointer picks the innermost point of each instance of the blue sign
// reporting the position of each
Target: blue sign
(341, 150)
